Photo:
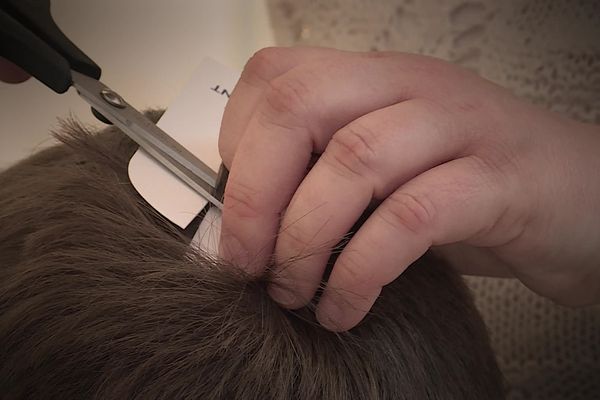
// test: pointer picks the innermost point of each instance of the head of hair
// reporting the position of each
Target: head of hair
(102, 298)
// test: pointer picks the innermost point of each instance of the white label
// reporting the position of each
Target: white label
(193, 119)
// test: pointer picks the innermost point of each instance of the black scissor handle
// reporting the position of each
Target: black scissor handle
(30, 38)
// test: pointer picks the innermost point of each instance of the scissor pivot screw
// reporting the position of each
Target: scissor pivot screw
(113, 98)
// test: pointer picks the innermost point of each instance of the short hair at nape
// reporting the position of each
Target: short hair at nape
(102, 298)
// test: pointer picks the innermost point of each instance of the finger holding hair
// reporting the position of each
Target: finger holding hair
(295, 118)
(367, 159)
(456, 201)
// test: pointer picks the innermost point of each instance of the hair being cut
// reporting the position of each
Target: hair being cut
(102, 298)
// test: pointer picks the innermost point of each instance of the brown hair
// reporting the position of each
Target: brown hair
(100, 297)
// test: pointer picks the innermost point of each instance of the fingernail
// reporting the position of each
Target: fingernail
(283, 297)
(330, 315)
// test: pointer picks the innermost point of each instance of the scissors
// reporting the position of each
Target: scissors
(30, 38)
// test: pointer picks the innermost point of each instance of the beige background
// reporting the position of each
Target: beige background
(147, 50)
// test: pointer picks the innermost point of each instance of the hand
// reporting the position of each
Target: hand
(454, 160)
(10, 73)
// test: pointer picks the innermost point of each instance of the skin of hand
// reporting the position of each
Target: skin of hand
(10, 73)
(497, 185)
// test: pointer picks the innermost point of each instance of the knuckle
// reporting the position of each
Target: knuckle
(354, 269)
(263, 65)
(498, 157)
(288, 96)
(352, 150)
(406, 211)
(296, 239)
(241, 200)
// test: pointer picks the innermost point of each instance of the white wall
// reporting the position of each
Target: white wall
(147, 50)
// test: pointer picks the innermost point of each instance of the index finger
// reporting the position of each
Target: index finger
(264, 66)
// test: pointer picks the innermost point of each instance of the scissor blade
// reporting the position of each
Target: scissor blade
(149, 137)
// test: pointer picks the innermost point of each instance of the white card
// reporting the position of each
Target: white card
(209, 232)
(193, 119)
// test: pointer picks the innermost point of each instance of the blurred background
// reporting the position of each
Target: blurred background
(545, 51)
(147, 50)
